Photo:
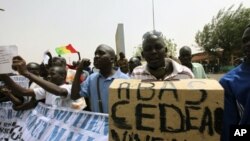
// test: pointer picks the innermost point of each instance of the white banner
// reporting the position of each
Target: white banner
(51, 124)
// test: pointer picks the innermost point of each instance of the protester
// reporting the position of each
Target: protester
(123, 63)
(11, 93)
(236, 91)
(185, 57)
(95, 87)
(34, 68)
(55, 91)
(59, 61)
(133, 63)
(158, 67)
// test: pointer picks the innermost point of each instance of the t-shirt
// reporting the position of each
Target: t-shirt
(54, 100)
(198, 71)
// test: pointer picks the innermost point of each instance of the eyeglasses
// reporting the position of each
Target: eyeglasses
(152, 33)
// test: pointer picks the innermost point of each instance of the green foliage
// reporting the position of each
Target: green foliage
(224, 31)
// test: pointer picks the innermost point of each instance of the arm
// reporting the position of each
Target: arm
(76, 83)
(20, 65)
(27, 105)
(230, 114)
(3, 98)
(15, 100)
(17, 90)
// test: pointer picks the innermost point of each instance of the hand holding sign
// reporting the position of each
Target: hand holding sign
(19, 64)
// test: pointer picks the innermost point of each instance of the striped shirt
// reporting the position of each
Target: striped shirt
(179, 72)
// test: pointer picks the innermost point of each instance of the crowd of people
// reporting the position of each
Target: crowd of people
(89, 88)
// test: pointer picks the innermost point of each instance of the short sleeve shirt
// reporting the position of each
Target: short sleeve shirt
(54, 100)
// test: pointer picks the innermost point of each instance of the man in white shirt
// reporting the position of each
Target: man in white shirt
(54, 91)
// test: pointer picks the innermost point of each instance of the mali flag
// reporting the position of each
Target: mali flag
(65, 49)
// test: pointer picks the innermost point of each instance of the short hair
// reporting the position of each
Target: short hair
(153, 35)
(109, 49)
(33, 64)
(60, 70)
(185, 48)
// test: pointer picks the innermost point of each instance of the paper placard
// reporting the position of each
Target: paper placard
(6, 55)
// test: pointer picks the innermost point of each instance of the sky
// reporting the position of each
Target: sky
(35, 26)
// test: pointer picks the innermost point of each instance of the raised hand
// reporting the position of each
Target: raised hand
(19, 64)
(84, 64)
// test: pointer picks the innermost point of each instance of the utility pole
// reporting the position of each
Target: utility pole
(153, 12)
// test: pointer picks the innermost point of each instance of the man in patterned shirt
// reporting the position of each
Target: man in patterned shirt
(158, 66)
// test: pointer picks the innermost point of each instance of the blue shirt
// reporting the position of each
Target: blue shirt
(89, 89)
(236, 84)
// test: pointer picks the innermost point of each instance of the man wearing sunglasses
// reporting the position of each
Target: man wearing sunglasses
(158, 66)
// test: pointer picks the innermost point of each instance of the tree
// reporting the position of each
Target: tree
(170, 45)
(224, 32)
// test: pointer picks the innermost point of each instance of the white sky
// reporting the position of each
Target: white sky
(39, 25)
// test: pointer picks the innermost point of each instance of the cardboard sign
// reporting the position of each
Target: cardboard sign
(184, 110)
(6, 55)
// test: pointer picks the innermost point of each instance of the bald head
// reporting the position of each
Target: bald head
(107, 49)
(33, 68)
(185, 56)
(185, 49)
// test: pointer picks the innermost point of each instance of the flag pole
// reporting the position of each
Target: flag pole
(153, 12)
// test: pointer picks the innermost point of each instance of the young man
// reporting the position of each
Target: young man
(133, 63)
(54, 91)
(237, 91)
(95, 87)
(185, 56)
(158, 67)
(123, 63)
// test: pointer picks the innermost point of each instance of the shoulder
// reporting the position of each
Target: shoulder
(181, 70)
(119, 74)
(197, 65)
(66, 86)
(229, 76)
(139, 71)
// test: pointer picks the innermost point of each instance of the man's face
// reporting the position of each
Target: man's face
(246, 43)
(56, 76)
(133, 62)
(102, 59)
(154, 53)
(185, 57)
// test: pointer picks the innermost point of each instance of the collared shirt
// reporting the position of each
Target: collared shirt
(179, 72)
(198, 71)
(89, 89)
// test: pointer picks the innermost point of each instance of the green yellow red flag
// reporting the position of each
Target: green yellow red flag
(65, 49)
